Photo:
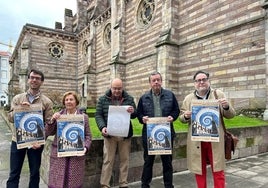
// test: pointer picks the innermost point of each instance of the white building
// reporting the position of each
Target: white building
(4, 77)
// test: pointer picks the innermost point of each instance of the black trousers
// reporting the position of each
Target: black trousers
(16, 162)
(147, 173)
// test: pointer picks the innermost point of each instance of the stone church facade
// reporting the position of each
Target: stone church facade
(132, 38)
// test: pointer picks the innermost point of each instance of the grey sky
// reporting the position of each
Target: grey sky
(15, 14)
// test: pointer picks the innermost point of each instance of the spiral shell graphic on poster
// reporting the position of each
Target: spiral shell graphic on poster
(73, 132)
(207, 116)
(31, 122)
(159, 133)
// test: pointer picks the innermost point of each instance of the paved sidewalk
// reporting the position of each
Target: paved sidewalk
(250, 172)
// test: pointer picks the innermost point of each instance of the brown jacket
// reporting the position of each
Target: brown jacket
(194, 147)
(44, 101)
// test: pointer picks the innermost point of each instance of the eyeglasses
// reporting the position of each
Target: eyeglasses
(35, 77)
(201, 80)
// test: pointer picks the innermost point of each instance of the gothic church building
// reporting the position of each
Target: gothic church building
(132, 38)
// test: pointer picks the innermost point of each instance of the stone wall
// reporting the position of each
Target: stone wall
(225, 38)
(211, 39)
(252, 140)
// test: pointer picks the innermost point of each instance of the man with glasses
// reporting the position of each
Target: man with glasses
(32, 96)
(200, 152)
(116, 95)
(157, 102)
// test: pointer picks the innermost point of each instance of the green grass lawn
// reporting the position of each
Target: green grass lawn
(237, 121)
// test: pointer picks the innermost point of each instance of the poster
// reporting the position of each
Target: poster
(159, 136)
(118, 121)
(205, 120)
(70, 135)
(29, 125)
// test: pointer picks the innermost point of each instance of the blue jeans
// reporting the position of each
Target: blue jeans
(16, 162)
(147, 173)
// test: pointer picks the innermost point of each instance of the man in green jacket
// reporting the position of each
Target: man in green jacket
(118, 97)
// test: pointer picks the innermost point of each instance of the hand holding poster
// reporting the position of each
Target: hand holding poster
(205, 120)
(29, 125)
(70, 135)
(118, 121)
(159, 136)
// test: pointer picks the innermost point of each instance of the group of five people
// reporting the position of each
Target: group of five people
(157, 102)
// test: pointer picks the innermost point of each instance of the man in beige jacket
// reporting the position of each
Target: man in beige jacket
(199, 152)
(32, 96)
